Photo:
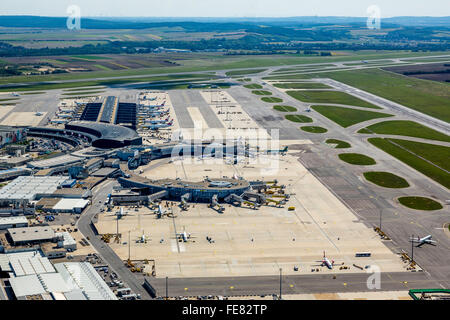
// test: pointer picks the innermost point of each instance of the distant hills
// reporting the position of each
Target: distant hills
(217, 23)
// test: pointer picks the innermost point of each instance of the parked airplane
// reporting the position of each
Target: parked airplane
(143, 239)
(184, 236)
(157, 105)
(157, 126)
(157, 121)
(121, 213)
(160, 211)
(153, 113)
(424, 240)
(65, 115)
(326, 262)
(281, 151)
(149, 99)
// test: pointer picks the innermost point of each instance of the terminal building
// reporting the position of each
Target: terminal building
(192, 191)
(89, 133)
(111, 111)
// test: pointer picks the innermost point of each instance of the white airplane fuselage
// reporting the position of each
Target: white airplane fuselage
(326, 262)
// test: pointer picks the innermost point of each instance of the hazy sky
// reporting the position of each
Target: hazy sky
(226, 8)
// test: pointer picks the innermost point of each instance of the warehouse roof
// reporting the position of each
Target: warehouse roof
(27, 187)
(13, 220)
(76, 192)
(4, 263)
(29, 262)
(70, 204)
(75, 294)
(47, 203)
(53, 282)
(26, 286)
(31, 234)
(38, 284)
(82, 275)
(67, 238)
(55, 162)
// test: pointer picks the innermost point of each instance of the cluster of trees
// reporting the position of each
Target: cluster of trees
(9, 71)
(258, 43)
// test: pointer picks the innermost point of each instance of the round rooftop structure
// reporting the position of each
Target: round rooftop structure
(106, 136)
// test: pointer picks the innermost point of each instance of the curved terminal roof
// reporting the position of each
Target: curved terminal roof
(108, 135)
(211, 185)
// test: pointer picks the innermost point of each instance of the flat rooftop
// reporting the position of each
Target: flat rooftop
(13, 220)
(210, 184)
(31, 234)
(27, 187)
(55, 162)
(107, 110)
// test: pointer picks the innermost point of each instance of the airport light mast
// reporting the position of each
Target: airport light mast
(280, 282)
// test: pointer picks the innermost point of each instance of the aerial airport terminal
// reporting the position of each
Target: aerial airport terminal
(212, 189)
(286, 175)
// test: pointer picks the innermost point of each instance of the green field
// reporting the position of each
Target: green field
(333, 97)
(339, 144)
(262, 92)
(420, 203)
(357, 159)
(33, 93)
(78, 97)
(300, 85)
(272, 100)
(313, 129)
(81, 93)
(347, 117)
(437, 155)
(406, 128)
(96, 83)
(9, 99)
(299, 118)
(253, 86)
(102, 67)
(85, 89)
(244, 72)
(185, 85)
(87, 57)
(53, 61)
(285, 108)
(386, 179)
(429, 97)
(213, 63)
